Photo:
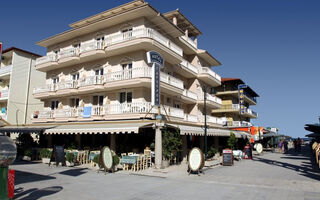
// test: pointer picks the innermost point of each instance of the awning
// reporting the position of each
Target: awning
(272, 135)
(23, 129)
(98, 128)
(241, 134)
(313, 135)
(196, 130)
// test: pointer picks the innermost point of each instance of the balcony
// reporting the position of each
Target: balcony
(44, 91)
(45, 62)
(4, 94)
(92, 50)
(142, 33)
(189, 97)
(191, 118)
(170, 84)
(91, 83)
(209, 76)
(234, 92)
(237, 123)
(188, 69)
(189, 41)
(68, 57)
(212, 120)
(212, 101)
(5, 71)
(235, 108)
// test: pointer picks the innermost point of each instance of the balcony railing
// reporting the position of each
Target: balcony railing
(237, 107)
(67, 85)
(189, 66)
(68, 53)
(137, 72)
(237, 123)
(140, 33)
(191, 118)
(190, 41)
(91, 46)
(207, 70)
(45, 59)
(5, 69)
(43, 89)
(212, 119)
(91, 80)
(190, 94)
(171, 80)
(210, 98)
(4, 93)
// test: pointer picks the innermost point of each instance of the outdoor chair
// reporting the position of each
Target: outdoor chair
(147, 154)
(130, 154)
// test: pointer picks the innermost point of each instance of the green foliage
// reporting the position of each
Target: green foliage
(28, 152)
(96, 159)
(72, 147)
(232, 140)
(171, 143)
(45, 153)
(116, 160)
(70, 157)
(212, 151)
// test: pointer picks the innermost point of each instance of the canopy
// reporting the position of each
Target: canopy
(313, 135)
(272, 135)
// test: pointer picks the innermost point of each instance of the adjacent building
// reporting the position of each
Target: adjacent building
(18, 77)
(229, 112)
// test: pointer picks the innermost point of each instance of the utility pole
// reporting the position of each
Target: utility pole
(205, 120)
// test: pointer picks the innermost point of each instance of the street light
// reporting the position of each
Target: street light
(8, 152)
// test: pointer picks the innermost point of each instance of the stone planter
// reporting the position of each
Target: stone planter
(26, 158)
(45, 160)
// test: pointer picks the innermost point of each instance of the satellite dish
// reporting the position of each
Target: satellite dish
(107, 159)
(259, 148)
(196, 159)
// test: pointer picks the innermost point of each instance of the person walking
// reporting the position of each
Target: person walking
(280, 146)
(299, 144)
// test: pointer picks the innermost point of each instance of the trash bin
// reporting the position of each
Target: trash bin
(11, 183)
(247, 152)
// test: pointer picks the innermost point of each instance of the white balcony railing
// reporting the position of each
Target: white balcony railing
(190, 41)
(67, 85)
(98, 110)
(71, 52)
(214, 120)
(140, 33)
(45, 59)
(207, 70)
(5, 70)
(190, 94)
(4, 94)
(137, 72)
(189, 66)
(46, 88)
(91, 46)
(91, 80)
(191, 118)
(45, 114)
(123, 108)
(174, 112)
(171, 80)
(62, 113)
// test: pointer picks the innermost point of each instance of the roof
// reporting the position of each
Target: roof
(183, 22)
(240, 81)
(17, 49)
(208, 57)
(111, 17)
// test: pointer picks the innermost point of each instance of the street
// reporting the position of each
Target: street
(269, 176)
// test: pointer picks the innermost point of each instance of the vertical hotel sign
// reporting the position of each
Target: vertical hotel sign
(157, 62)
(241, 98)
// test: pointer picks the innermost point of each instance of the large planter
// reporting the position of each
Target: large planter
(26, 158)
(45, 160)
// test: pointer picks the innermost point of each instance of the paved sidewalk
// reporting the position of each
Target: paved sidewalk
(269, 176)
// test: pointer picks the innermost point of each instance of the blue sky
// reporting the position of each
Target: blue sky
(273, 45)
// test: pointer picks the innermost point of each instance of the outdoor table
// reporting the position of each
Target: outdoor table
(129, 159)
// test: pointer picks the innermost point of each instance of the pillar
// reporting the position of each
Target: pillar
(113, 142)
(184, 148)
(158, 148)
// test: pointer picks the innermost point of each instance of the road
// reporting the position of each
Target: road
(269, 176)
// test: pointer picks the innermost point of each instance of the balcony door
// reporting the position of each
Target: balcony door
(127, 70)
(74, 102)
(97, 100)
(127, 33)
(100, 41)
(54, 105)
(125, 97)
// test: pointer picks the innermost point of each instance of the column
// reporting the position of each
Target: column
(158, 148)
(184, 148)
(113, 142)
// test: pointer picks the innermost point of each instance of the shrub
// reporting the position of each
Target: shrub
(45, 153)
(96, 159)
(172, 143)
(212, 151)
(232, 140)
(70, 157)
(28, 152)
(116, 160)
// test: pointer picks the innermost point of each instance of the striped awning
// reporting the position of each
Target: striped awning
(199, 131)
(98, 128)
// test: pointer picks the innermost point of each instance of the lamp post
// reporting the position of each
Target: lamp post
(8, 152)
(205, 120)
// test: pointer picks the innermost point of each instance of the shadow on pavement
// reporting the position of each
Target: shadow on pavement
(74, 172)
(26, 177)
(36, 193)
(308, 169)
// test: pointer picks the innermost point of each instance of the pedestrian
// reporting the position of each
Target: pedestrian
(285, 144)
(299, 144)
(280, 146)
(295, 145)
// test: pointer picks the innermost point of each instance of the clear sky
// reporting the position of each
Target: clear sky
(273, 45)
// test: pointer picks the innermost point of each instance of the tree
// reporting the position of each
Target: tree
(171, 143)
(232, 140)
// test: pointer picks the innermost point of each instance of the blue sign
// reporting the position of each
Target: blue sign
(156, 85)
(155, 57)
(242, 86)
(241, 98)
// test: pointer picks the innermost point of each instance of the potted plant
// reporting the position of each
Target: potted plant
(45, 155)
(27, 155)
(171, 145)
(96, 161)
(232, 141)
(212, 152)
(116, 161)
(69, 159)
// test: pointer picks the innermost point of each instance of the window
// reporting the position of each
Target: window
(74, 102)
(127, 70)
(54, 105)
(75, 76)
(168, 100)
(100, 41)
(125, 97)
(98, 71)
(177, 105)
(55, 80)
(126, 66)
(98, 100)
